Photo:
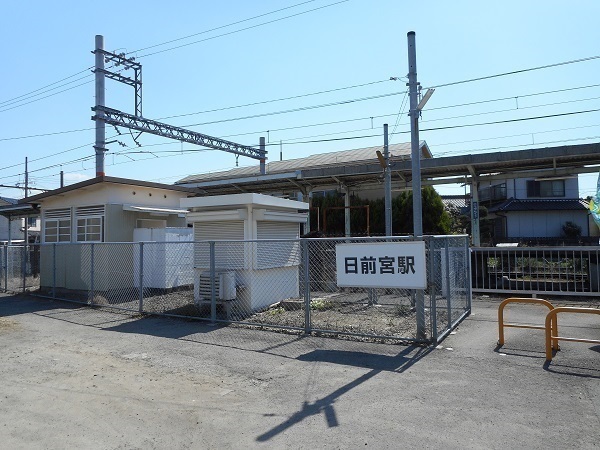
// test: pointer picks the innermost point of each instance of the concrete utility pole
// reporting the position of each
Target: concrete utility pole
(413, 93)
(387, 171)
(416, 171)
(100, 146)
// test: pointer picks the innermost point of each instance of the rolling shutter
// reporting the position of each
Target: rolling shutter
(228, 254)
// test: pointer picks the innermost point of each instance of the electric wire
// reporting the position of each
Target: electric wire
(44, 87)
(242, 29)
(273, 100)
(219, 27)
(514, 72)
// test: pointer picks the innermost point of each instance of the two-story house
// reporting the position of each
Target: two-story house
(535, 208)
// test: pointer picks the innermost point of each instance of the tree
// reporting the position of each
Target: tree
(436, 219)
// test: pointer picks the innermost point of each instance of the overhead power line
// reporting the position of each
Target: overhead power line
(243, 29)
(303, 108)
(219, 27)
(514, 72)
(274, 100)
(44, 87)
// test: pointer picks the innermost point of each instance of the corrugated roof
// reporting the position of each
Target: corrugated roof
(540, 205)
(9, 201)
(346, 157)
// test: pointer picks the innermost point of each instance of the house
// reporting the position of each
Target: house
(13, 220)
(535, 209)
(98, 212)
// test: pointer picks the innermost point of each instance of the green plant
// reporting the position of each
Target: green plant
(276, 311)
(571, 230)
(321, 305)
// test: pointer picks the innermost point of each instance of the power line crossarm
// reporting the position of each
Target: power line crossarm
(121, 119)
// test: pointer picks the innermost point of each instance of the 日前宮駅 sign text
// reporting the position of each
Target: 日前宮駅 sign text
(382, 265)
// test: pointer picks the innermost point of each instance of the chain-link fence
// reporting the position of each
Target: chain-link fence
(275, 284)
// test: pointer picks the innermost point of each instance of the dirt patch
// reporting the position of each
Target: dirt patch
(7, 325)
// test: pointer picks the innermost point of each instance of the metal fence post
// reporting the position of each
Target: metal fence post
(307, 318)
(420, 310)
(141, 306)
(24, 265)
(6, 268)
(53, 270)
(432, 298)
(213, 293)
(469, 276)
(448, 289)
(91, 293)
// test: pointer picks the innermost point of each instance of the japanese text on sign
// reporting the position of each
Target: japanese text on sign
(381, 264)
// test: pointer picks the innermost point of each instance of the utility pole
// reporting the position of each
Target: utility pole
(387, 171)
(99, 72)
(26, 179)
(62, 178)
(416, 172)
(413, 92)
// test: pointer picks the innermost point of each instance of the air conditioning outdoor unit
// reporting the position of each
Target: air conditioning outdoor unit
(224, 286)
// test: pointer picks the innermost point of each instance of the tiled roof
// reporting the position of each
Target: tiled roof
(342, 158)
(540, 205)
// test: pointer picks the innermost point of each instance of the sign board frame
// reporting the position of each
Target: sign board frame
(400, 265)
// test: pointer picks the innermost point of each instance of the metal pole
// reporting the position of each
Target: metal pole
(26, 179)
(6, 266)
(54, 270)
(414, 135)
(141, 307)
(432, 293)
(448, 289)
(62, 178)
(416, 171)
(347, 225)
(469, 277)
(307, 318)
(24, 264)
(262, 160)
(475, 233)
(91, 294)
(100, 146)
(213, 293)
(388, 182)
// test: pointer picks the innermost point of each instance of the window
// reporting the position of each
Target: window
(90, 224)
(89, 229)
(31, 222)
(57, 225)
(549, 188)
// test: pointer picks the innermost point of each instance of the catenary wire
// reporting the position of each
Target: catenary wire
(242, 29)
(514, 72)
(219, 27)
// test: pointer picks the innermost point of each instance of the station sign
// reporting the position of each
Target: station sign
(382, 265)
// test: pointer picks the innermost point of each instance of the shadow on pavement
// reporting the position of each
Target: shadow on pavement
(378, 363)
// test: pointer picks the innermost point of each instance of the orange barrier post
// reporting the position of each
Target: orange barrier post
(539, 301)
(552, 317)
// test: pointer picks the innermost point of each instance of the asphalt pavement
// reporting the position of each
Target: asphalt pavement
(75, 377)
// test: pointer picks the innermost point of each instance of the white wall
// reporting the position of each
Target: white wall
(15, 229)
(520, 184)
(544, 224)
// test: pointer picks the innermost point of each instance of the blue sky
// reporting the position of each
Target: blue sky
(341, 44)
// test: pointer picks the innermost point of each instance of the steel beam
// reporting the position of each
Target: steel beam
(121, 119)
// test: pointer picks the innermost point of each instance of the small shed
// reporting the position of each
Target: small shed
(99, 212)
(256, 246)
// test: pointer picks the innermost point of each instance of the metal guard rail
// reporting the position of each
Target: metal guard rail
(553, 337)
(539, 301)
